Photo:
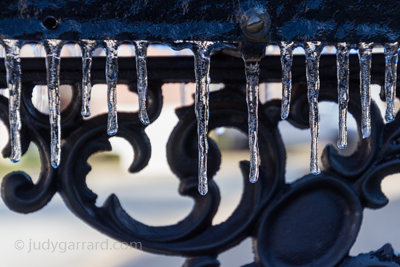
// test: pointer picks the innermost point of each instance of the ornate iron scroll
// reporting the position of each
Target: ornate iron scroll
(313, 221)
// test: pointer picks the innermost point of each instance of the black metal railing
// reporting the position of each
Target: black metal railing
(311, 222)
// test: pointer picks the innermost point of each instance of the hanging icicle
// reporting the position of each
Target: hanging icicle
(286, 62)
(202, 53)
(391, 58)
(365, 55)
(141, 70)
(53, 49)
(13, 67)
(111, 47)
(252, 88)
(313, 52)
(87, 47)
(342, 66)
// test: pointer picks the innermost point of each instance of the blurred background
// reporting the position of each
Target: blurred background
(152, 195)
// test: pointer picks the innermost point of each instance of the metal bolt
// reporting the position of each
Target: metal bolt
(255, 24)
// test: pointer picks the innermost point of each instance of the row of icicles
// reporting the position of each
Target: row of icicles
(202, 51)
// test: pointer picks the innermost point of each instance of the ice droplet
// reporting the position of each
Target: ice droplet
(88, 47)
(365, 55)
(13, 68)
(53, 60)
(313, 52)
(342, 66)
(111, 47)
(252, 87)
(391, 58)
(286, 62)
(141, 70)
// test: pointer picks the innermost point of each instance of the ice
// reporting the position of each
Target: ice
(342, 66)
(141, 69)
(53, 60)
(88, 47)
(313, 52)
(286, 61)
(252, 78)
(13, 68)
(365, 55)
(391, 58)
(202, 53)
(111, 47)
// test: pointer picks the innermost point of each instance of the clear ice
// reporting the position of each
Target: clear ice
(202, 53)
(313, 52)
(252, 79)
(13, 68)
(53, 60)
(141, 69)
(391, 58)
(87, 47)
(111, 47)
(365, 55)
(342, 66)
(286, 49)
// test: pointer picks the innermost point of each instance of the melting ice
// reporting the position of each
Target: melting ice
(141, 69)
(286, 61)
(365, 55)
(342, 66)
(252, 88)
(111, 47)
(88, 48)
(313, 52)
(202, 53)
(53, 50)
(391, 58)
(13, 68)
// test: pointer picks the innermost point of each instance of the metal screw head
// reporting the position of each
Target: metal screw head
(255, 24)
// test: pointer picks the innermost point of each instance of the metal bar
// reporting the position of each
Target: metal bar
(168, 20)
(224, 69)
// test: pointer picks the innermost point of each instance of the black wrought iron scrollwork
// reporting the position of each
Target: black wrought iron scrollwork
(313, 221)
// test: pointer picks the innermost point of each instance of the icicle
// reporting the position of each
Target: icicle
(87, 47)
(202, 53)
(286, 61)
(342, 66)
(365, 55)
(391, 58)
(53, 50)
(13, 68)
(252, 79)
(111, 47)
(141, 69)
(313, 52)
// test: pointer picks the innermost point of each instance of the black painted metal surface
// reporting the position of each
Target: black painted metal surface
(170, 20)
